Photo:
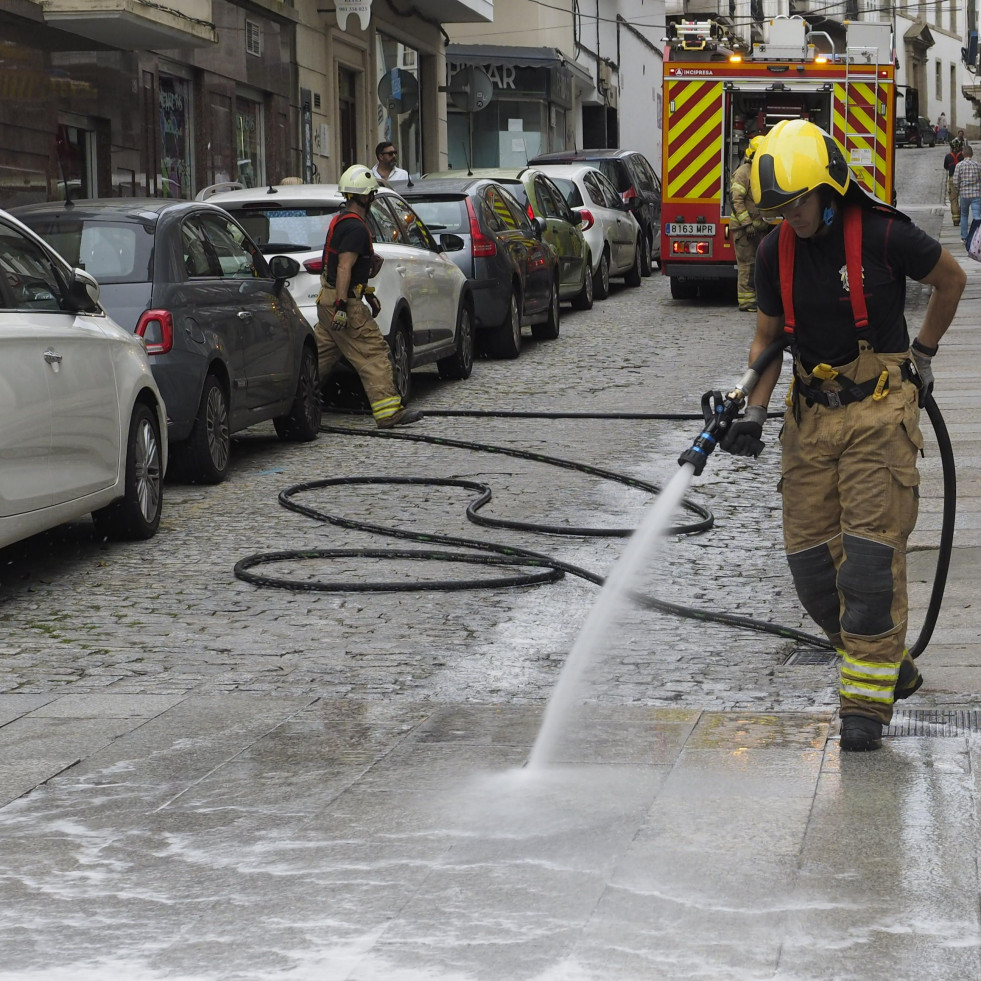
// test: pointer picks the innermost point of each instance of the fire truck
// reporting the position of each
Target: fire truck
(715, 99)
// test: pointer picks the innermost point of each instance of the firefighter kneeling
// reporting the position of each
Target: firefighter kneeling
(748, 228)
(834, 277)
(344, 327)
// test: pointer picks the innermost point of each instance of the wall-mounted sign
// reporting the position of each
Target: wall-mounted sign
(360, 8)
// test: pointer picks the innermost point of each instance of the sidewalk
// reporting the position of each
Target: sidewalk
(242, 837)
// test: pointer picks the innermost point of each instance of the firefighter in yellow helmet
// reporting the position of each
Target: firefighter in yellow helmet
(834, 278)
(344, 325)
(747, 227)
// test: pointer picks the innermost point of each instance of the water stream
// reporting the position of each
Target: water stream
(640, 549)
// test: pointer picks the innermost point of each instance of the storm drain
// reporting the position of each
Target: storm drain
(806, 656)
(934, 722)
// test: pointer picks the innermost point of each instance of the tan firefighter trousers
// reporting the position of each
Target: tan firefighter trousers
(850, 498)
(364, 347)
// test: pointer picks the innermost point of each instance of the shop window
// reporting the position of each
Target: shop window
(76, 163)
(174, 104)
(250, 159)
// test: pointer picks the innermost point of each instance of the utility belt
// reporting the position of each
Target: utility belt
(354, 293)
(849, 391)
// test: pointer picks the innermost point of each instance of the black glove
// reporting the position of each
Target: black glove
(923, 359)
(743, 436)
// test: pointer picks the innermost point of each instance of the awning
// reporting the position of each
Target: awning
(503, 54)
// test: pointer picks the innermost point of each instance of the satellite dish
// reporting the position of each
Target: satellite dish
(471, 89)
(398, 91)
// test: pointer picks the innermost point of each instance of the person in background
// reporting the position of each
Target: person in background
(386, 167)
(748, 228)
(833, 278)
(951, 160)
(967, 183)
(344, 327)
(942, 128)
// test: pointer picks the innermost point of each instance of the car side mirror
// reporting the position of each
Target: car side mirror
(576, 217)
(540, 226)
(283, 267)
(450, 242)
(83, 291)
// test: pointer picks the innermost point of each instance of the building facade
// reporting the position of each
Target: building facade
(99, 101)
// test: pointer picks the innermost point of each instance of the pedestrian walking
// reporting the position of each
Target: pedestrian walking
(834, 278)
(951, 160)
(344, 327)
(942, 128)
(748, 228)
(967, 184)
(386, 168)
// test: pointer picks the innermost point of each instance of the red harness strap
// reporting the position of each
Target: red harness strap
(328, 246)
(787, 245)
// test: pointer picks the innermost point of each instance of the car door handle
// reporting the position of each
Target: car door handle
(52, 357)
(244, 315)
(432, 272)
(401, 270)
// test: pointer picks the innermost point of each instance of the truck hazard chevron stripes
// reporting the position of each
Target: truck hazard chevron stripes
(861, 126)
(694, 140)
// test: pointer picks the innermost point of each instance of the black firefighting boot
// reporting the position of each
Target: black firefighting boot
(404, 418)
(860, 734)
(909, 679)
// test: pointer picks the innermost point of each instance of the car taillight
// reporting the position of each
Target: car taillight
(314, 266)
(587, 219)
(531, 213)
(481, 246)
(156, 327)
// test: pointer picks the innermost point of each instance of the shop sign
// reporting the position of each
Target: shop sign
(360, 8)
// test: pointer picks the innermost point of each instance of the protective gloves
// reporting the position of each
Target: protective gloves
(923, 359)
(339, 320)
(760, 225)
(743, 436)
(374, 304)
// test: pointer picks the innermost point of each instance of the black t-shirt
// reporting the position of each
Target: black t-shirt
(892, 249)
(951, 161)
(349, 235)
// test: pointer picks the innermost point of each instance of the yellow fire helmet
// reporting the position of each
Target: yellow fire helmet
(754, 145)
(795, 157)
(357, 180)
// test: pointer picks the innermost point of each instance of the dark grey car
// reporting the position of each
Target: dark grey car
(228, 346)
(512, 271)
(631, 173)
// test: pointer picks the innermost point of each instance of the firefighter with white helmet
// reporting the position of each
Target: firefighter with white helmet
(747, 227)
(834, 278)
(344, 325)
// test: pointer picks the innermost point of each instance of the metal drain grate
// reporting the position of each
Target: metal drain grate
(810, 656)
(934, 722)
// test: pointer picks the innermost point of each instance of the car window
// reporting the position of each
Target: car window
(300, 228)
(546, 201)
(199, 260)
(498, 215)
(646, 177)
(27, 274)
(562, 209)
(595, 191)
(616, 174)
(385, 229)
(236, 254)
(518, 207)
(569, 190)
(613, 200)
(443, 216)
(416, 232)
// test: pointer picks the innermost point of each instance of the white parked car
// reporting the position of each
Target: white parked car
(82, 425)
(426, 303)
(609, 226)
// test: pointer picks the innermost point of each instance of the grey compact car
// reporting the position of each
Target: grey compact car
(228, 347)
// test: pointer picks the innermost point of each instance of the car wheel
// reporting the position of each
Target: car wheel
(635, 273)
(646, 264)
(137, 514)
(549, 329)
(459, 365)
(682, 289)
(206, 453)
(402, 361)
(302, 424)
(601, 279)
(583, 300)
(505, 341)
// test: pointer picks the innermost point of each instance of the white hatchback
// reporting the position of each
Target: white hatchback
(611, 231)
(82, 425)
(426, 304)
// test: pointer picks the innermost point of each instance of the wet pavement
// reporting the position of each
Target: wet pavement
(203, 779)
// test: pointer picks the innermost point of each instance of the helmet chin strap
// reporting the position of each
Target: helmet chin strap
(828, 216)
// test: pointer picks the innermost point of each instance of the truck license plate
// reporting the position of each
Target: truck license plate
(677, 228)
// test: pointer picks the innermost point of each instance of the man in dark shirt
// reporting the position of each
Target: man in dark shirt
(834, 278)
(344, 327)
